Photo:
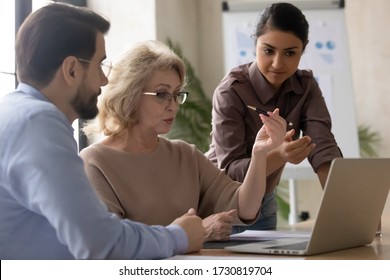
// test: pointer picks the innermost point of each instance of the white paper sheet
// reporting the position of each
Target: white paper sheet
(261, 235)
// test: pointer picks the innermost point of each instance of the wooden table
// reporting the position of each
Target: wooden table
(379, 249)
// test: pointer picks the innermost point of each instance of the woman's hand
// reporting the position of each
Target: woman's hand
(295, 151)
(272, 133)
(219, 226)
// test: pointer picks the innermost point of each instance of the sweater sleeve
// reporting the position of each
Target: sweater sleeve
(94, 166)
(218, 191)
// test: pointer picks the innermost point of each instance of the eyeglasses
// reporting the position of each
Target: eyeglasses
(166, 97)
(105, 66)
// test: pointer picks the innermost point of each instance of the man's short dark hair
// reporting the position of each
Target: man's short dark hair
(51, 34)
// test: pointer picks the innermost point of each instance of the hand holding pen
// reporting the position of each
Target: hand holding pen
(271, 134)
(265, 113)
(292, 151)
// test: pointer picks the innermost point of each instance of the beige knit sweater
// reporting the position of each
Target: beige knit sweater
(158, 187)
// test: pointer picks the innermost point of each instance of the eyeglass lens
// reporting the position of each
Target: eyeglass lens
(166, 97)
(178, 98)
(106, 68)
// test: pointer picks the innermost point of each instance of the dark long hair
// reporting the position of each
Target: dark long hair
(283, 17)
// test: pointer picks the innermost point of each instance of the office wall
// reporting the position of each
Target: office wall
(131, 22)
(179, 21)
(367, 25)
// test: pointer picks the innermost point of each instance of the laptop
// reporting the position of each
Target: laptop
(354, 196)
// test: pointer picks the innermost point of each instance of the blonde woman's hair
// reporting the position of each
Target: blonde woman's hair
(118, 104)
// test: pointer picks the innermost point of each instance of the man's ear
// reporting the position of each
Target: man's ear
(70, 67)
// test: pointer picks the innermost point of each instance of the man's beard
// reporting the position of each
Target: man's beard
(86, 109)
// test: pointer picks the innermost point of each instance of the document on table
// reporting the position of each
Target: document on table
(263, 235)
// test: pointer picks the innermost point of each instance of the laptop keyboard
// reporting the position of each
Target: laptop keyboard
(295, 246)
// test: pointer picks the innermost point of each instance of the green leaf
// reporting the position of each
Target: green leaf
(282, 199)
(368, 141)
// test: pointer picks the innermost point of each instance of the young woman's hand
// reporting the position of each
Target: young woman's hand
(272, 133)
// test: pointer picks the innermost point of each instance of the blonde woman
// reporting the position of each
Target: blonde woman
(143, 176)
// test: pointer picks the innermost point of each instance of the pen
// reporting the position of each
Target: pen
(264, 113)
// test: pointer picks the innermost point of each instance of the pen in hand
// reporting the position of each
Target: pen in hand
(264, 113)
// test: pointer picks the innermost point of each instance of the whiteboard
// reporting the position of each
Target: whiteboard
(327, 54)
